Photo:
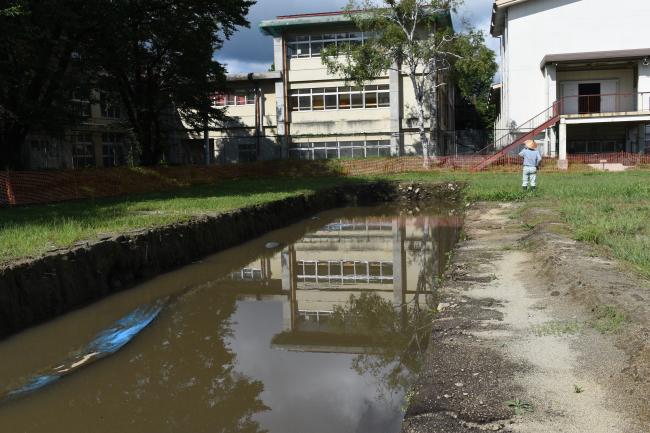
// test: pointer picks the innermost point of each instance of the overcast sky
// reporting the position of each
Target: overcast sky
(250, 51)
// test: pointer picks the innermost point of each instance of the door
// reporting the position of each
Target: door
(589, 100)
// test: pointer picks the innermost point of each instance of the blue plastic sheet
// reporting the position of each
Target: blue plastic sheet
(104, 344)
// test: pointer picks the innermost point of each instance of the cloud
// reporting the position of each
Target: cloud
(251, 51)
(238, 66)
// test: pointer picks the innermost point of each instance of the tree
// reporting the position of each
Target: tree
(38, 71)
(157, 58)
(154, 57)
(409, 36)
(474, 73)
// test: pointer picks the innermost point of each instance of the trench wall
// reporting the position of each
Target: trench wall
(40, 289)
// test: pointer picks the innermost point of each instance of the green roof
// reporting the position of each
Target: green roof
(277, 26)
(281, 24)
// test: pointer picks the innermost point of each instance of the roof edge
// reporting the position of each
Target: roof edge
(498, 15)
(632, 54)
(275, 27)
(254, 76)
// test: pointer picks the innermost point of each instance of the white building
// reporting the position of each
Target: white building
(575, 74)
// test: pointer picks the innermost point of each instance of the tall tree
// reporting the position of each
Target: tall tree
(474, 74)
(38, 71)
(411, 36)
(158, 54)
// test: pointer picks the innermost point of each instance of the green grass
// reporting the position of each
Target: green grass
(31, 230)
(558, 328)
(611, 210)
(608, 318)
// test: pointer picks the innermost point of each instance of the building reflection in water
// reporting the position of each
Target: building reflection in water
(395, 259)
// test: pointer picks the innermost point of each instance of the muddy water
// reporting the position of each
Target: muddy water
(317, 327)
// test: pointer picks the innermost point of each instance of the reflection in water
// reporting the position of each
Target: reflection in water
(321, 335)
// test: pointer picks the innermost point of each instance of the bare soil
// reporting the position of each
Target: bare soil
(536, 333)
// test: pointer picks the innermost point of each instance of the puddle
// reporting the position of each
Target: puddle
(317, 327)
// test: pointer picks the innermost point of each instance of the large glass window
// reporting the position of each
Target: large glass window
(303, 46)
(341, 98)
(340, 149)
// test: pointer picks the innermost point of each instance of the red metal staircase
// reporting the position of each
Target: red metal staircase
(526, 131)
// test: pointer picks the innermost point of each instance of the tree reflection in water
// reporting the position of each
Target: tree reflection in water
(189, 375)
(398, 334)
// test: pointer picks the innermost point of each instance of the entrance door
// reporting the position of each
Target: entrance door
(589, 98)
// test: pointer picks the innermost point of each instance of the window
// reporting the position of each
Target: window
(383, 99)
(109, 107)
(340, 149)
(81, 102)
(46, 147)
(305, 46)
(237, 98)
(112, 150)
(340, 98)
(83, 151)
(344, 271)
(246, 152)
(357, 98)
(331, 101)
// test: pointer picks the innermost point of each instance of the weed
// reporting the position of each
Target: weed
(407, 400)
(578, 389)
(528, 226)
(519, 406)
(608, 319)
(558, 328)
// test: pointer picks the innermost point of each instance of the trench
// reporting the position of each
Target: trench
(316, 327)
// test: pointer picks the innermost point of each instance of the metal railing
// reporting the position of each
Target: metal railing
(518, 132)
(605, 103)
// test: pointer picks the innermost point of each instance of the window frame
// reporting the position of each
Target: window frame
(347, 98)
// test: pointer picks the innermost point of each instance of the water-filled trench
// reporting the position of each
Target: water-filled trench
(317, 327)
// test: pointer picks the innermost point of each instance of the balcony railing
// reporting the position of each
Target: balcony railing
(605, 103)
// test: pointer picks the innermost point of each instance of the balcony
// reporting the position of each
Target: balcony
(605, 105)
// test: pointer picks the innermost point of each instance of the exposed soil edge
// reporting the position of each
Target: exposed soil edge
(35, 290)
(568, 272)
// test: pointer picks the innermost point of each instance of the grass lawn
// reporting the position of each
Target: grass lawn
(611, 210)
(608, 209)
(31, 230)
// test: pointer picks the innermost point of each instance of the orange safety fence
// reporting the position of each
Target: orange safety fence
(30, 187)
(46, 186)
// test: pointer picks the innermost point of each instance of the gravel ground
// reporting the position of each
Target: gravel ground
(529, 337)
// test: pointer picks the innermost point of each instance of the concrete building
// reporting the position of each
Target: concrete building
(101, 139)
(301, 111)
(298, 110)
(575, 73)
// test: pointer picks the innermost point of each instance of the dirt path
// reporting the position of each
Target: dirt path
(523, 320)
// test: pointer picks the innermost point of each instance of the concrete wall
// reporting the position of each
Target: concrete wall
(537, 28)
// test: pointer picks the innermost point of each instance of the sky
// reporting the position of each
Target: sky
(251, 51)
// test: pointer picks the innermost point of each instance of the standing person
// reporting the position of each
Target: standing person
(532, 159)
